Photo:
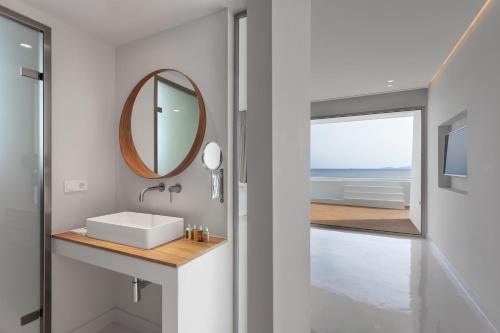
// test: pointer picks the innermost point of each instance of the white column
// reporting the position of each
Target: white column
(278, 123)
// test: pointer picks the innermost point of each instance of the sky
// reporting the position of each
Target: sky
(362, 144)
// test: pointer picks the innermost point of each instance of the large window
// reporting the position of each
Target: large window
(378, 146)
(366, 172)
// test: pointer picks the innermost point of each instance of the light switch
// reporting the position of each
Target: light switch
(76, 185)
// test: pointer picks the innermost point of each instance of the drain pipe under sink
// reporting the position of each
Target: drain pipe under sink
(137, 286)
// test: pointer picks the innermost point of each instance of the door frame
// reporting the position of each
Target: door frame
(423, 156)
(44, 161)
(236, 135)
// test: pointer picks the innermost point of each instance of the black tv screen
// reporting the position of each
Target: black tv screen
(455, 153)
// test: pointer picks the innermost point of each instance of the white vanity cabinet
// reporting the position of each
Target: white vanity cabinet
(192, 276)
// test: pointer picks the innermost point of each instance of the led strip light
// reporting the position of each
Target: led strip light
(462, 39)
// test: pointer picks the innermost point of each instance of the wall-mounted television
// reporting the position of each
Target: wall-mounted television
(455, 153)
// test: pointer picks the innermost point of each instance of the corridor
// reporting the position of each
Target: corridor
(363, 283)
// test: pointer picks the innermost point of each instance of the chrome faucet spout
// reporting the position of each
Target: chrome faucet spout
(160, 187)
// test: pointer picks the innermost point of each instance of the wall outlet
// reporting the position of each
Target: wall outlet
(76, 185)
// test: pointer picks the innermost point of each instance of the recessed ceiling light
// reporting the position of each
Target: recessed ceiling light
(390, 81)
(389, 85)
(175, 110)
(26, 46)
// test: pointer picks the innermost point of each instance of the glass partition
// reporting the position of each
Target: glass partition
(22, 226)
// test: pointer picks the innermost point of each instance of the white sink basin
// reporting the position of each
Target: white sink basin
(144, 231)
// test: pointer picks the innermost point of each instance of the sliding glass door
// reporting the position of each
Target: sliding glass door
(23, 264)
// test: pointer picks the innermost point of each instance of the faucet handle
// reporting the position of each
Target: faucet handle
(177, 188)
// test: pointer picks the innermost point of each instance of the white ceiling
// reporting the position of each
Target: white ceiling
(122, 21)
(358, 45)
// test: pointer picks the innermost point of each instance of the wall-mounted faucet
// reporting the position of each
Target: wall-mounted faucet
(160, 187)
(177, 188)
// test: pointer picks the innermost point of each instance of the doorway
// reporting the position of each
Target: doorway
(366, 172)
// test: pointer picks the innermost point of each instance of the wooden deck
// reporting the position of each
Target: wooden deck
(377, 219)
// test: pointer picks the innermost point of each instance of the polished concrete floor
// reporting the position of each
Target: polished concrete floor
(363, 283)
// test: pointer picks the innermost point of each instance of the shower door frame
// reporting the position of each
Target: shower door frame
(44, 164)
(236, 168)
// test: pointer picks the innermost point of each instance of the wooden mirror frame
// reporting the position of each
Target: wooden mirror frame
(127, 146)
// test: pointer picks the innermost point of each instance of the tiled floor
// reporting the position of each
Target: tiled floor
(363, 283)
(115, 328)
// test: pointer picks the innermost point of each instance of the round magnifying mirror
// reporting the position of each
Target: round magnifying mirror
(162, 125)
(212, 156)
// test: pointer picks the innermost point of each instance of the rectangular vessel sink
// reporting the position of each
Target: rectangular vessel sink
(144, 231)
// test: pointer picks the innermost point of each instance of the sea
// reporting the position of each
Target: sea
(394, 173)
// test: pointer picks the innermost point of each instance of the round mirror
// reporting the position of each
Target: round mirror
(212, 156)
(162, 124)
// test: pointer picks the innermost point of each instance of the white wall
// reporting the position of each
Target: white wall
(278, 123)
(201, 50)
(466, 227)
(83, 146)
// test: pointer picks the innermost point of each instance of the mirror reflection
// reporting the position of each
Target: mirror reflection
(165, 122)
(212, 156)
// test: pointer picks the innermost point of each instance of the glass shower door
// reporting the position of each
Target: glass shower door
(21, 170)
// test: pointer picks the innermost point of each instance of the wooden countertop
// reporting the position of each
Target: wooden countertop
(174, 254)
